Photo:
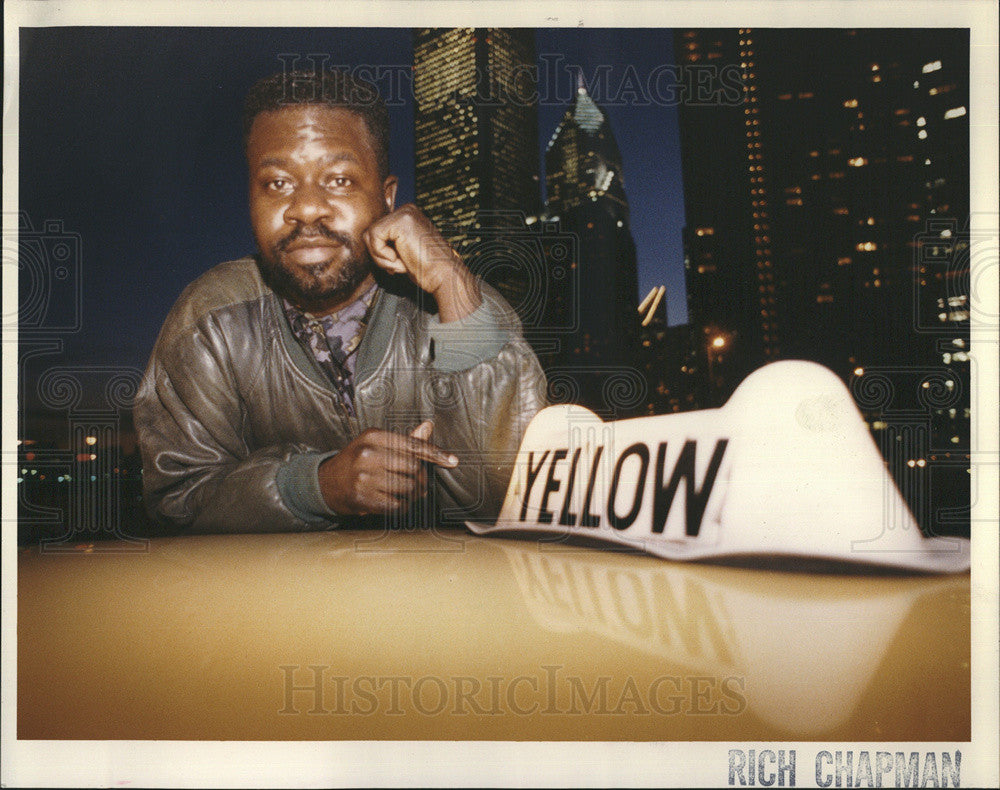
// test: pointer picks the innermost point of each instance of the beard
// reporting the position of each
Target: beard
(332, 280)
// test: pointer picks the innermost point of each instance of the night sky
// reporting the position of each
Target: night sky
(130, 138)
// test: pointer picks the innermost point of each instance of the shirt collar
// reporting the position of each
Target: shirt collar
(355, 311)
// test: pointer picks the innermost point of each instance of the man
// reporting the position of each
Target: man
(315, 384)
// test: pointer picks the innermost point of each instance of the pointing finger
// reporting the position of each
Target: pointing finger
(423, 431)
(431, 452)
(405, 450)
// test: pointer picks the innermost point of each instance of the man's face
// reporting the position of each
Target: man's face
(314, 189)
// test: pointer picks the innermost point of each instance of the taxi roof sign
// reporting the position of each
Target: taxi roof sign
(786, 469)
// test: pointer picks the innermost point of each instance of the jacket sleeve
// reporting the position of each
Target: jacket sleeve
(200, 470)
(485, 386)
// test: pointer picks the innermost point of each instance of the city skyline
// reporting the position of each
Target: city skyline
(555, 77)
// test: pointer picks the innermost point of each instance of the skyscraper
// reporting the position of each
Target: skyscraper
(726, 247)
(827, 220)
(585, 195)
(476, 153)
(582, 161)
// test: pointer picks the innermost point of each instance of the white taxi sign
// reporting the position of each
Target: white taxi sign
(787, 468)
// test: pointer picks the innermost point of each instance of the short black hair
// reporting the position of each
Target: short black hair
(334, 89)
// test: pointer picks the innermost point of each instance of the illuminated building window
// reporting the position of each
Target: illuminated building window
(922, 134)
(851, 103)
(954, 112)
(866, 246)
(934, 65)
(857, 161)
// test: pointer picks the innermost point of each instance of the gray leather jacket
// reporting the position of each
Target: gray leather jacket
(234, 417)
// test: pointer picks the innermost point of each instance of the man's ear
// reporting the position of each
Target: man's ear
(389, 191)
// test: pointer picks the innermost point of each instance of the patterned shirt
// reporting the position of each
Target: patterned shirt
(333, 340)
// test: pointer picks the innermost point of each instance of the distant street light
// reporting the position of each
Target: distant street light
(716, 345)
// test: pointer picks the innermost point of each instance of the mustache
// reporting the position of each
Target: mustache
(312, 231)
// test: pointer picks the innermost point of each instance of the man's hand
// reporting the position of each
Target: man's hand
(380, 471)
(406, 242)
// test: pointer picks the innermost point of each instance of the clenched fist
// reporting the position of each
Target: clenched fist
(406, 242)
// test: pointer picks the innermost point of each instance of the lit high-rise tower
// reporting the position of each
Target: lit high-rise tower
(476, 123)
(727, 239)
(582, 161)
(585, 189)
